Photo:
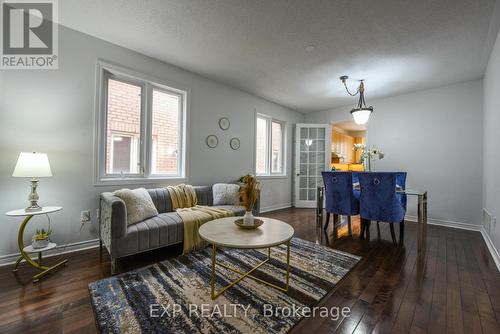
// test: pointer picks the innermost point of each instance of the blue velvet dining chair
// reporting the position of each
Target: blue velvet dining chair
(340, 197)
(380, 201)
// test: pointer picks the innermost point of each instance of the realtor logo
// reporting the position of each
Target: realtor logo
(29, 36)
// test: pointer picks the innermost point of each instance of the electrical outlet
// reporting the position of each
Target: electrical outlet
(85, 216)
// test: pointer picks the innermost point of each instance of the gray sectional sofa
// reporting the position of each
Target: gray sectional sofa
(165, 229)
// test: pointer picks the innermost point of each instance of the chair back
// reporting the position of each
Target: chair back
(379, 200)
(339, 194)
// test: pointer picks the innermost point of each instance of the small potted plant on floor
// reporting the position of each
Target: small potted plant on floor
(41, 238)
(249, 193)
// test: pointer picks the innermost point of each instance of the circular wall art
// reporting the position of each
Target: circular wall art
(234, 143)
(224, 123)
(212, 141)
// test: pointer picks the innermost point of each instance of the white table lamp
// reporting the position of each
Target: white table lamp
(32, 165)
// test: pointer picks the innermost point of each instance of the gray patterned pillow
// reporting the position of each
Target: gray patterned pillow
(226, 194)
(139, 204)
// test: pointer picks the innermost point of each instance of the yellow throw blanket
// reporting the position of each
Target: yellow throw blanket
(193, 218)
(182, 196)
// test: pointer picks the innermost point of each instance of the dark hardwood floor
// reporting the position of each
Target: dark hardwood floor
(452, 287)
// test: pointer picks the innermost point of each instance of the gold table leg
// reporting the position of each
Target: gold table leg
(215, 294)
(27, 258)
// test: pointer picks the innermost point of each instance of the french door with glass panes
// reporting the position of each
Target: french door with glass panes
(312, 156)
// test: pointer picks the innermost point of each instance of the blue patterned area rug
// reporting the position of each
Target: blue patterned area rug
(173, 296)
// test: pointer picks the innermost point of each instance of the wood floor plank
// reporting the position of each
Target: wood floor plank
(423, 305)
(385, 286)
(470, 315)
(438, 309)
(390, 313)
(454, 323)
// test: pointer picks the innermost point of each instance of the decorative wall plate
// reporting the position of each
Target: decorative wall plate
(224, 123)
(234, 143)
(212, 141)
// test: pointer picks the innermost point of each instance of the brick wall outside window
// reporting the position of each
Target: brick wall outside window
(165, 132)
(124, 119)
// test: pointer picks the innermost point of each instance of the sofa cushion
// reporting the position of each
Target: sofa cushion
(204, 195)
(226, 194)
(139, 204)
(162, 230)
(237, 210)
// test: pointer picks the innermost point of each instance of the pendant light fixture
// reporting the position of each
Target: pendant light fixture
(361, 113)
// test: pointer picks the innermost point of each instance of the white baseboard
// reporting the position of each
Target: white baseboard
(447, 223)
(471, 227)
(491, 247)
(276, 207)
(61, 249)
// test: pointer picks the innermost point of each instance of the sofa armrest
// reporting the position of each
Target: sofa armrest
(113, 219)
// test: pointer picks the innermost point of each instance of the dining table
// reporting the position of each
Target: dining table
(420, 194)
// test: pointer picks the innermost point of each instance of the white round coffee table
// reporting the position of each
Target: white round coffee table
(224, 233)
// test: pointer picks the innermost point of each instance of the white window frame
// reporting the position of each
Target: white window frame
(133, 148)
(269, 145)
(107, 70)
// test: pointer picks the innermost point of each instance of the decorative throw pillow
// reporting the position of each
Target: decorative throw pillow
(226, 194)
(139, 204)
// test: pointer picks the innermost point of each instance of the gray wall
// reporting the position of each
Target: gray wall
(53, 112)
(491, 155)
(435, 135)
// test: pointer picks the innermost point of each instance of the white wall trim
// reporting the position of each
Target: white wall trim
(275, 207)
(470, 227)
(62, 249)
(447, 223)
(491, 247)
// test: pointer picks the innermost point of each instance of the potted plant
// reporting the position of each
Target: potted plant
(249, 193)
(41, 238)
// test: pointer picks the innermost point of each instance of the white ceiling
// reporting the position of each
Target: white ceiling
(259, 46)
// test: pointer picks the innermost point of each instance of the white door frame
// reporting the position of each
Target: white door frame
(328, 143)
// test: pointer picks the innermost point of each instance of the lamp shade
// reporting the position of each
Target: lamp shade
(32, 164)
(361, 115)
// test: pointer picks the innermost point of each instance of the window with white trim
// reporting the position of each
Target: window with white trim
(270, 137)
(141, 128)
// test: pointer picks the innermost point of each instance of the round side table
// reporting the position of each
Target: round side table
(25, 250)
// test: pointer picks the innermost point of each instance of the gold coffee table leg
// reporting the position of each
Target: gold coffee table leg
(287, 265)
(212, 280)
(214, 263)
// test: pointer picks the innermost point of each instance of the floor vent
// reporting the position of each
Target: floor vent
(487, 220)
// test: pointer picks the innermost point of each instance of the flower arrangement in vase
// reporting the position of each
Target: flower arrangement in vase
(367, 154)
(249, 194)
